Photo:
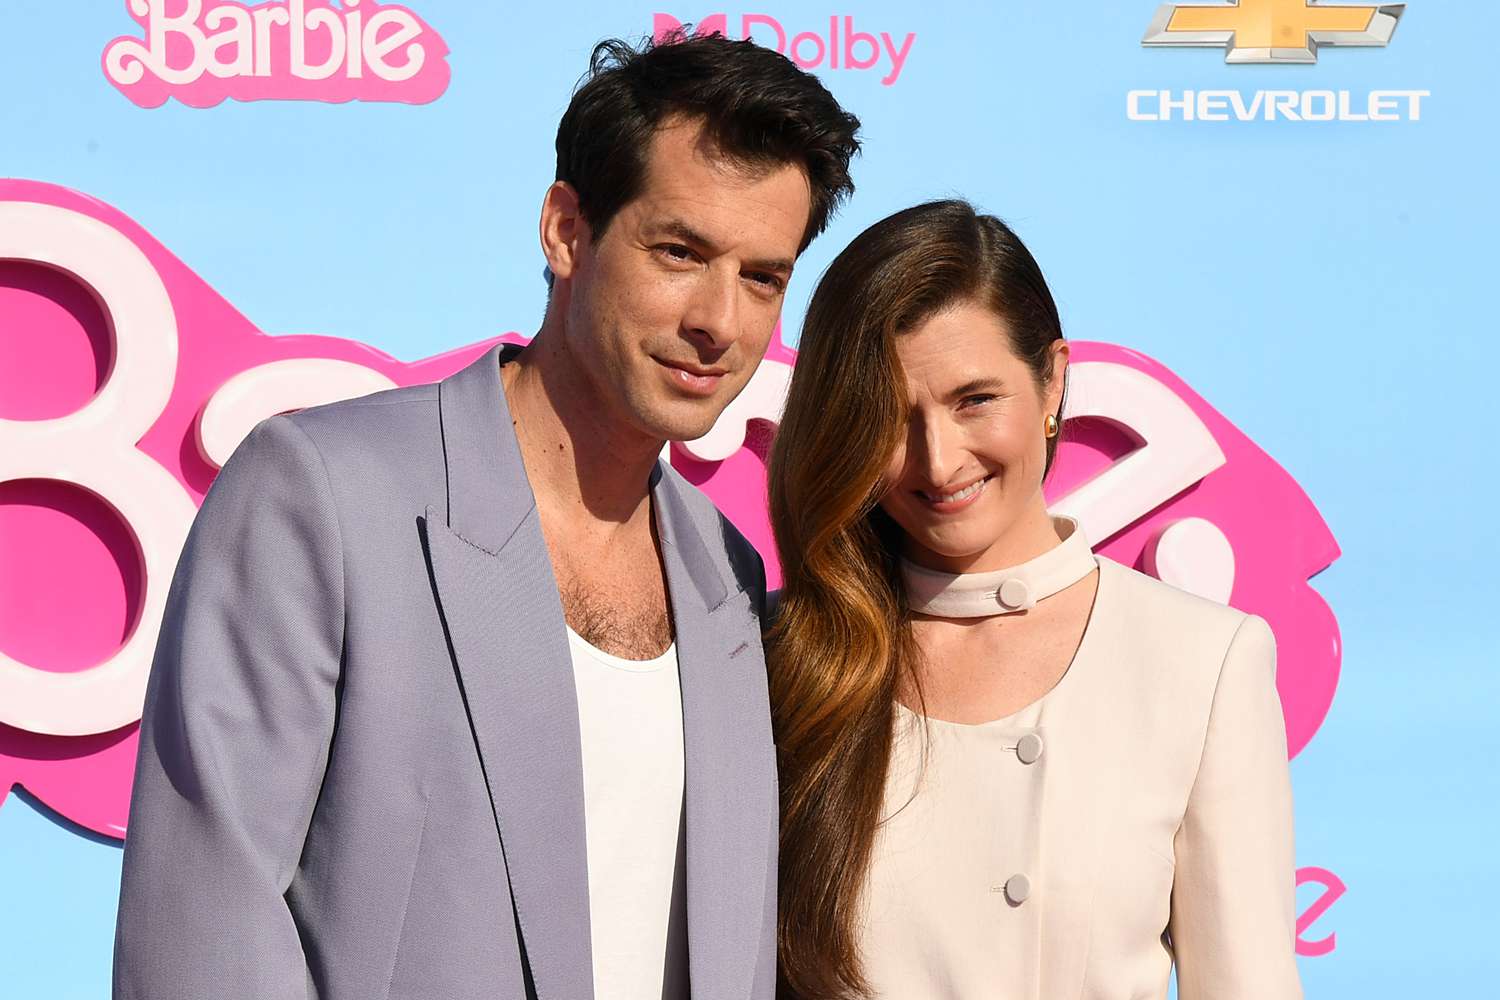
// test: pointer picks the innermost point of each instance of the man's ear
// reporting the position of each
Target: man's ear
(563, 229)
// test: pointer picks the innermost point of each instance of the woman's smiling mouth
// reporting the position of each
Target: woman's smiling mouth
(956, 500)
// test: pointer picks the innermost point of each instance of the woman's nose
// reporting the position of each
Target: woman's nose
(938, 451)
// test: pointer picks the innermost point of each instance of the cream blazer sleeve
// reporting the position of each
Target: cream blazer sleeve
(1233, 923)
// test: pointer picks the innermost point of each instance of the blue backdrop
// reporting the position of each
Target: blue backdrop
(1326, 285)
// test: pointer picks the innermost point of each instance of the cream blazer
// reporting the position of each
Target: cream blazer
(1140, 813)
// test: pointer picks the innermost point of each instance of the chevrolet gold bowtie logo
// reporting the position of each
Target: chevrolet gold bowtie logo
(1272, 31)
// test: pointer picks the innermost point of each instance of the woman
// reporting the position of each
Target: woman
(1009, 768)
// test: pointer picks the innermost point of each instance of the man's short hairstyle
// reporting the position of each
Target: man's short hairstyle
(758, 110)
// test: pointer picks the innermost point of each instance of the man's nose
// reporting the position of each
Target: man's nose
(713, 314)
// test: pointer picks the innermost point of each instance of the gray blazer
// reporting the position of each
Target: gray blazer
(360, 771)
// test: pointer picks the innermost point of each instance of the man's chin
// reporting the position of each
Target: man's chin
(680, 422)
(680, 435)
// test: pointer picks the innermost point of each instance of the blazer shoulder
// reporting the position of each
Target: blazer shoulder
(388, 423)
(1172, 632)
(388, 443)
(1175, 660)
(369, 414)
(1154, 602)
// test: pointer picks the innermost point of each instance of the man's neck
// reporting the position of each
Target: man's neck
(583, 462)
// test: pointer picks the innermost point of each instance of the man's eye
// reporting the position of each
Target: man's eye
(769, 281)
(675, 252)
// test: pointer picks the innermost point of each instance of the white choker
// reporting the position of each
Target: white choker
(1001, 591)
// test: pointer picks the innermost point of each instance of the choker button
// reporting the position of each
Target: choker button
(1014, 593)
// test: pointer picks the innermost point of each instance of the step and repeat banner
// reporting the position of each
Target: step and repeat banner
(1266, 224)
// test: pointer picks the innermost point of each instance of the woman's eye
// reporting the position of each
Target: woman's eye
(976, 400)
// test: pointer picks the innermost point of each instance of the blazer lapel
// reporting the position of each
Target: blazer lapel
(504, 619)
(730, 778)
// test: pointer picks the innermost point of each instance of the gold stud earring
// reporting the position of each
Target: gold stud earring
(1050, 426)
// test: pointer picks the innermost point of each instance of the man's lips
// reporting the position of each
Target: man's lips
(694, 379)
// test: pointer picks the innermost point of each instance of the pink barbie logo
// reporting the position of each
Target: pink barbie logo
(295, 50)
(840, 46)
(129, 381)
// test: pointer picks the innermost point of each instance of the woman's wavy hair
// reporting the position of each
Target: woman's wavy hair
(841, 645)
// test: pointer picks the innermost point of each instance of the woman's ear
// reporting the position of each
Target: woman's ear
(1061, 353)
(563, 229)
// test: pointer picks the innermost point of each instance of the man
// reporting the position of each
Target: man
(460, 691)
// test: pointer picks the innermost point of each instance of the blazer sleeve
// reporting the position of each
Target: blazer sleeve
(1233, 923)
(235, 733)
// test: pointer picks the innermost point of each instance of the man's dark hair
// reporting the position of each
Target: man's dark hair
(758, 110)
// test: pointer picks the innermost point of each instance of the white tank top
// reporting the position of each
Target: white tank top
(630, 724)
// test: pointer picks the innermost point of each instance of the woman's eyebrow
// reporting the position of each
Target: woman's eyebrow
(986, 383)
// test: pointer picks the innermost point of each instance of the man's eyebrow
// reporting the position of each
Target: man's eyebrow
(777, 266)
(682, 231)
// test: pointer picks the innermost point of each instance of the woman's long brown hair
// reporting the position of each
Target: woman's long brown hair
(841, 646)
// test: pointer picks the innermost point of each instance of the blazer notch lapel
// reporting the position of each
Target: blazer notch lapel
(504, 624)
(730, 776)
(690, 564)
